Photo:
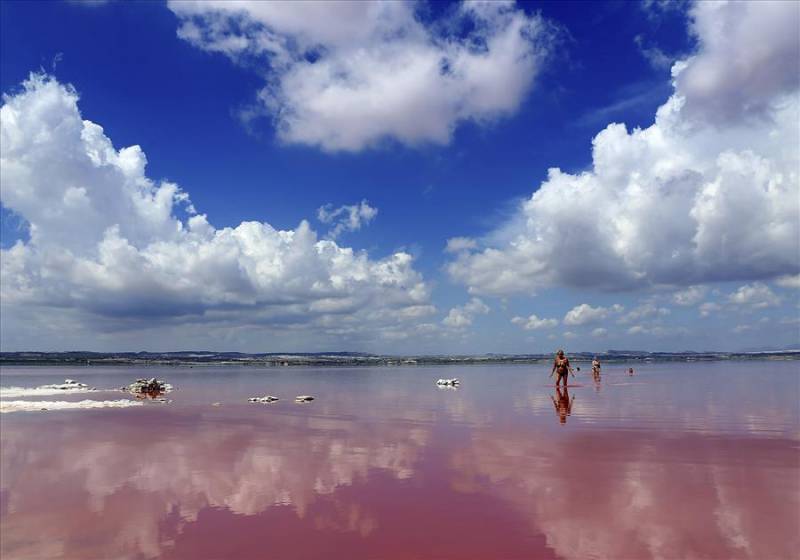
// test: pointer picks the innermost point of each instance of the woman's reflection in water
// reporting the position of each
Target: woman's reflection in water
(563, 403)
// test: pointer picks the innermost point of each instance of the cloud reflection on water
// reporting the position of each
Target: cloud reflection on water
(180, 468)
(380, 467)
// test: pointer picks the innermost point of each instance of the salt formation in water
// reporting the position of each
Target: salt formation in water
(448, 382)
(303, 398)
(69, 385)
(152, 388)
(31, 406)
(265, 399)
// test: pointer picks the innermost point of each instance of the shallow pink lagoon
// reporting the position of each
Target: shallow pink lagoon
(678, 461)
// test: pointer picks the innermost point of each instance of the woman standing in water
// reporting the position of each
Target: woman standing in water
(596, 369)
(562, 367)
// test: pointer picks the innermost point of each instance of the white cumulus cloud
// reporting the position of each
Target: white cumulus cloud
(656, 57)
(585, 313)
(756, 295)
(709, 192)
(346, 218)
(533, 322)
(461, 316)
(708, 308)
(457, 244)
(690, 296)
(107, 242)
(645, 310)
(747, 59)
(348, 75)
(657, 331)
(789, 281)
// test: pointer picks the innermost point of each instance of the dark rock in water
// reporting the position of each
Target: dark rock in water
(153, 388)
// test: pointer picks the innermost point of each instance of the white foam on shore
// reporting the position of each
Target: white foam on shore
(29, 406)
(44, 391)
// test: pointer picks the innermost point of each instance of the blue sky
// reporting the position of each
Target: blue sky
(453, 155)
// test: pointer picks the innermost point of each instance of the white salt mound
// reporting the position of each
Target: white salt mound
(69, 386)
(30, 406)
(448, 382)
(43, 391)
(265, 399)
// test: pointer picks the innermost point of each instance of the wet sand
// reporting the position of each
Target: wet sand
(678, 461)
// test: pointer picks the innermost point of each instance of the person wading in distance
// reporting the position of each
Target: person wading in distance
(562, 367)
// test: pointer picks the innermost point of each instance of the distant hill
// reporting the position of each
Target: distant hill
(792, 348)
(202, 357)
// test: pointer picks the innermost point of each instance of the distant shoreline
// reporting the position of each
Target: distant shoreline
(192, 359)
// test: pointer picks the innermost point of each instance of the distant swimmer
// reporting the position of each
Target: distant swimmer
(563, 403)
(596, 368)
(562, 367)
(630, 371)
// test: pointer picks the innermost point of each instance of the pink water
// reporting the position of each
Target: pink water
(678, 461)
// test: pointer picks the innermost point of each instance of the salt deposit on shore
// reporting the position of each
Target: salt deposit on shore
(30, 406)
